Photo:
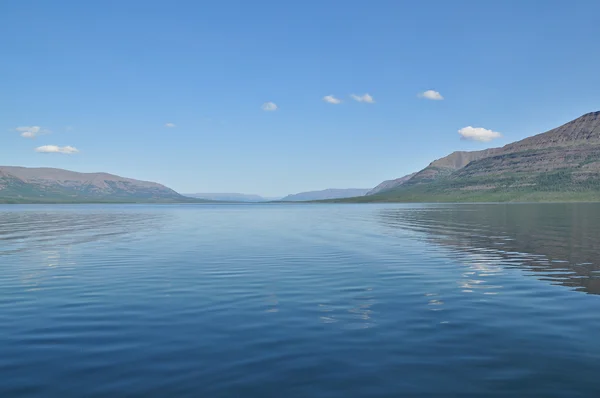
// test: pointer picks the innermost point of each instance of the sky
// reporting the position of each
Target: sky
(279, 97)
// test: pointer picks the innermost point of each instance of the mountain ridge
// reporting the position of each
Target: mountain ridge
(230, 197)
(390, 184)
(324, 194)
(560, 164)
(51, 185)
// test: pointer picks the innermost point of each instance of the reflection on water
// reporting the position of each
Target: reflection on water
(356, 313)
(45, 238)
(317, 301)
(47, 230)
(554, 242)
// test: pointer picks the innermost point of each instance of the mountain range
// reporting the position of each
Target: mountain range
(48, 185)
(230, 197)
(325, 194)
(561, 164)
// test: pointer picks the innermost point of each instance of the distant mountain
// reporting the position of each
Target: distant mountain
(230, 197)
(562, 164)
(390, 184)
(325, 194)
(47, 185)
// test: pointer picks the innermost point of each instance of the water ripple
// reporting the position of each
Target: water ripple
(299, 300)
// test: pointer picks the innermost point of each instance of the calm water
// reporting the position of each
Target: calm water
(300, 300)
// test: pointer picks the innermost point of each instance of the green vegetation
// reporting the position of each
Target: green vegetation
(421, 196)
(553, 186)
(43, 187)
(18, 192)
(95, 201)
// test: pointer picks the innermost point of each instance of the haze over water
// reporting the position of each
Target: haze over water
(300, 300)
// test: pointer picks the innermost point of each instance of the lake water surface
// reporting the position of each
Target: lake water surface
(300, 300)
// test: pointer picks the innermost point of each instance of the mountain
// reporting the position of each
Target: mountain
(390, 184)
(229, 197)
(45, 185)
(562, 164)
(449, 164)
(325, 194)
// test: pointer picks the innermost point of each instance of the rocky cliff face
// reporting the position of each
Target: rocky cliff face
(584, 130)
(48, 184)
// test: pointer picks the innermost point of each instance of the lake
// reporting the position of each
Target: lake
(285, 300)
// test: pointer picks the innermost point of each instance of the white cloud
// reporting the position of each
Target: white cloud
(170, 125)
(363, 98)
(478, 134)
(31, 131)
(56, 149)
(269, 106)
(330, 99)
(431, 95)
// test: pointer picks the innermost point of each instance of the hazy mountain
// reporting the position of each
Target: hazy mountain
(22, 184)
(230, 197)
(390, 184)
(561, 164)
(326, 194)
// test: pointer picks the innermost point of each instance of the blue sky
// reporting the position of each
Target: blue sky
(104, 78)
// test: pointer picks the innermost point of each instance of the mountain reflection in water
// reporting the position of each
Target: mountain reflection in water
(554, 242)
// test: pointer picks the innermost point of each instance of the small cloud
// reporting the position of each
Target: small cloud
(31, 131)
(69, 128)
(68, 150)
(330, 99)
(363, 98)
(478, 134)
(269, 106)
(431, 95)
(170, 125)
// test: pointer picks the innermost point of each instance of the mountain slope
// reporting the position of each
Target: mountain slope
(561, 164)
(447, 165)
(41, 185)
(390, 184)
(325, 194)
(229, 197)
